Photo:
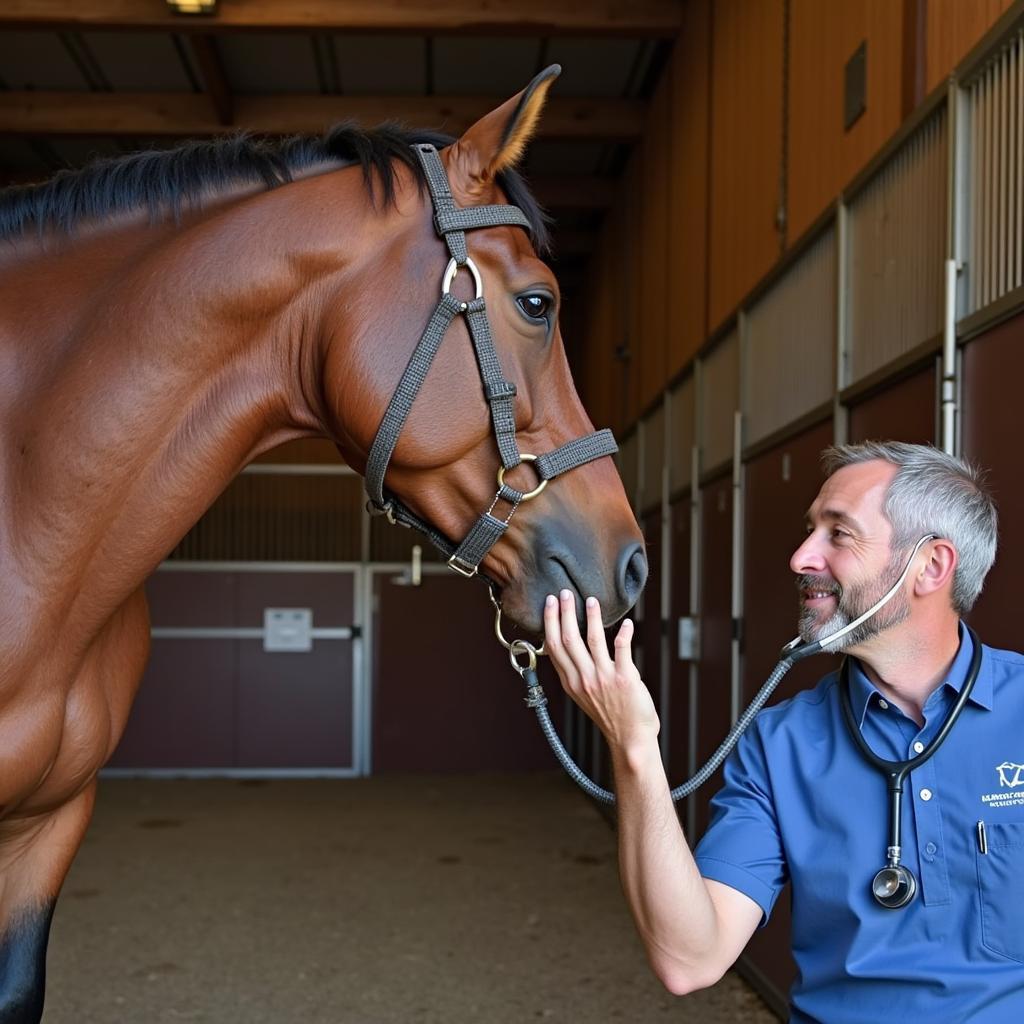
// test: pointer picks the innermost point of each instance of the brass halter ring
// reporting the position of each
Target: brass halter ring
(514, 646)
(529, 494)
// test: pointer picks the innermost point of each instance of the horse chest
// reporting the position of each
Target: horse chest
(62, 712)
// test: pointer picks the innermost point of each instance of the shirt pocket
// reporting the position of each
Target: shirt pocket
(1001, 886)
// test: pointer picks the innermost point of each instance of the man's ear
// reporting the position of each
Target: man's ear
(937, 571)
(497, 141)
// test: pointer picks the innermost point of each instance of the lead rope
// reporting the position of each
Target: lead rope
(537, 700)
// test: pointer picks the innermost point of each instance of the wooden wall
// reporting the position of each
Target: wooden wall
(823, 155)
(694, 226)
(746, 148)
(952, 28)
(688, 112)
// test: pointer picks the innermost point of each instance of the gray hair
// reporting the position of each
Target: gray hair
(933, 492)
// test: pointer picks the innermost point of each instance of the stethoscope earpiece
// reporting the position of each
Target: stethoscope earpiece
(894, 887)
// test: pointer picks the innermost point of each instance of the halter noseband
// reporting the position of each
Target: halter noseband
(452, 223)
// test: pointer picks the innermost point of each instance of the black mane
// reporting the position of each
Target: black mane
(166, 182)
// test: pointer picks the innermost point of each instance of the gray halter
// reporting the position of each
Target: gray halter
(452, 223)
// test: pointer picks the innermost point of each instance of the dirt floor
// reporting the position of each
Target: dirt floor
(392, 900)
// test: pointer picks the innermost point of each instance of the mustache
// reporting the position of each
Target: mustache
(822, 584)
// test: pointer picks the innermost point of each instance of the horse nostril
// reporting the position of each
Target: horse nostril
(631, 574)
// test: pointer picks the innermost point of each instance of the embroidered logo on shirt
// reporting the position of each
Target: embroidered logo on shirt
(1011, 776)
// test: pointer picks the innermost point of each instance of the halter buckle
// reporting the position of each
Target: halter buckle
(453, 268)
(466, 569)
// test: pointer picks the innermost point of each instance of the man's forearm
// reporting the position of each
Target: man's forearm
(669, 899)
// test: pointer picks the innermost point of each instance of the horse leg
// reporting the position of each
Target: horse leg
(35, 855)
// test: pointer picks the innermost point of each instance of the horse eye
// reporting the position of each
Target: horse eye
(536, 307)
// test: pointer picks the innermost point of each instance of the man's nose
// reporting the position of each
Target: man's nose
(807, 558)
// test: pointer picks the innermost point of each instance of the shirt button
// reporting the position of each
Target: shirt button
(918, 747)
(884, 705)
(926, 794)
(930, 848)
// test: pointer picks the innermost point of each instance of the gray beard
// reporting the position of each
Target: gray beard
(852, 602)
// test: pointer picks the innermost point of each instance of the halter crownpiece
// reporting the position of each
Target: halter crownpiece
(451, 223)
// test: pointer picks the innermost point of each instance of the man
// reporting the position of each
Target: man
(802, 803)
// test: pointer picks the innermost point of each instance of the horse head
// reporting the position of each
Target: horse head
(440, 452)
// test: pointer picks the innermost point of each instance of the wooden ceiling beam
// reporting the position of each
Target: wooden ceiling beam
(189, 114)
(215, 80)
(637, 18)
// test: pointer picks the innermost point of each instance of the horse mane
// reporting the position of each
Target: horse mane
(167, 182)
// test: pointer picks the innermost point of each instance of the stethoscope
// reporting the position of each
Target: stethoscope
(894, 886)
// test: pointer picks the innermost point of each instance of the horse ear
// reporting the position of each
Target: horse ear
(497, 141)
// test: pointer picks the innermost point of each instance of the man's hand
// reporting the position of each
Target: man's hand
(608, 689)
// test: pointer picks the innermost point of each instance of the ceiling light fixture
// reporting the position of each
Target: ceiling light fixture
(193, 6)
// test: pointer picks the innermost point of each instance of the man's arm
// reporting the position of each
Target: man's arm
(693, 929)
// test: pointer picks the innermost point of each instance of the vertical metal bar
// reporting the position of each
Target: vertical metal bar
(992, 186)
(1011, 167)
(737, 558)
(696, 570)
(1002, 183)
(975, 225)
(1019, 177)
(948, 431)
(840, 416)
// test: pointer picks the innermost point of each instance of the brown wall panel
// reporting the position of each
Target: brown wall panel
(904, 411)
(780, 485)
(823, 156)
(649, 638)
(714, 690)
(746, 148)
(630, 276)
(651, 347)
(677, 717)
(688, 72)
(952, 28)
(992, 368)
(433, 711)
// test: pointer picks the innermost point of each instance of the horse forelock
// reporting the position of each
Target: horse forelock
(167, 183)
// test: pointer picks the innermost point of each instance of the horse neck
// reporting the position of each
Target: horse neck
(175, 359)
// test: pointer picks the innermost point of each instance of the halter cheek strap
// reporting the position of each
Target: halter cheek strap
(451, 223)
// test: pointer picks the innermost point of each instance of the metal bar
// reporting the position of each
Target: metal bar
(1001, 182)
(949, 410)
(974, 226)
(696, 568)
(737, 558)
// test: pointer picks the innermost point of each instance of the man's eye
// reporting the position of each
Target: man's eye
(839, 534)
(536, 307)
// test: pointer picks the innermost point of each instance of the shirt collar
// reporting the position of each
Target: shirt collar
(863, 691)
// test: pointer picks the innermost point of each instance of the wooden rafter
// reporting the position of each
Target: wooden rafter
(655, 18)
(188, 114)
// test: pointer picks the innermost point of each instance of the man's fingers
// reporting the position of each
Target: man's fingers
(571, 639)
(553, 641)
(623, 651)
(595, 635)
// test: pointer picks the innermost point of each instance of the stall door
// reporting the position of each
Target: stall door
(714, 688)
(445, 698)
(780, 485)
(250, 670)
(992, 371)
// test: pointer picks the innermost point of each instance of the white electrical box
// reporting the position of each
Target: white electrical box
(689, 638)
(287, 629)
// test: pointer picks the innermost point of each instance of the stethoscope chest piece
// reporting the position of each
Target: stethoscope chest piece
(894, 887)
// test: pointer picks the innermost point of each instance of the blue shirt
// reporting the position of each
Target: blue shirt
(800, 803)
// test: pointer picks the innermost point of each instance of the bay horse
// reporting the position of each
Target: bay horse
(165, 318)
